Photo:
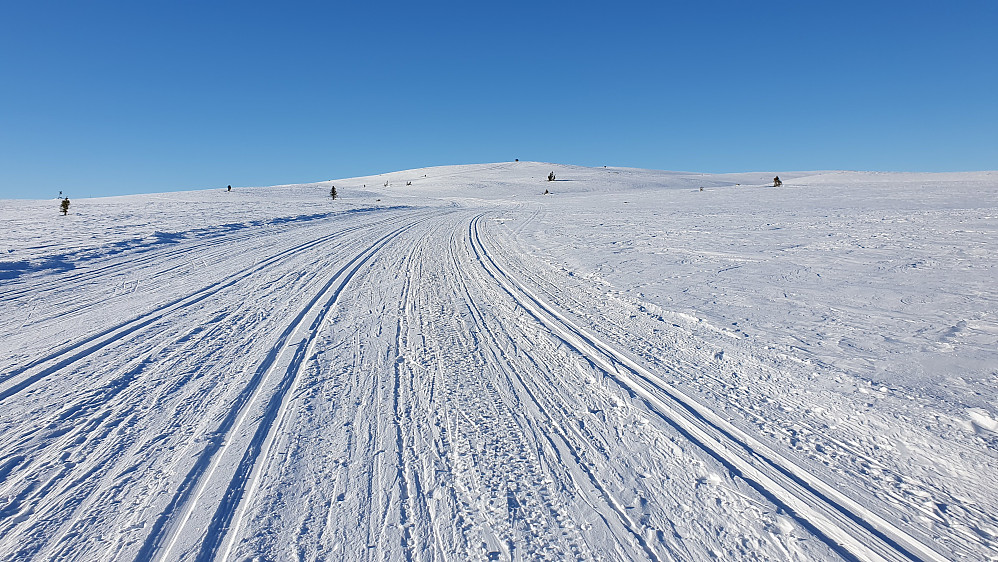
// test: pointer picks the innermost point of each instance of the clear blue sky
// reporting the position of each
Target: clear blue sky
(104, 98)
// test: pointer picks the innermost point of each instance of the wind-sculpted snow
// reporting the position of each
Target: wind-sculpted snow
(626, 368)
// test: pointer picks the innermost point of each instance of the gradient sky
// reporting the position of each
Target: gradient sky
(105, 98)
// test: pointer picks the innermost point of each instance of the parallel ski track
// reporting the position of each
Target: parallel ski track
(26, 375)
(153, 253)
(234, 503)
(411, 499)
(896, 497)
(844, 524)
(554, 429)
(281, 423)
(79, 425)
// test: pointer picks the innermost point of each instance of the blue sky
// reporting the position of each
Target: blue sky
(105, 98)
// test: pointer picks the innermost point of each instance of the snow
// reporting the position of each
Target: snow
(627, 368)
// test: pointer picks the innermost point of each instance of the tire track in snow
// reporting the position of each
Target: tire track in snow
(235, 427)
(845, 525)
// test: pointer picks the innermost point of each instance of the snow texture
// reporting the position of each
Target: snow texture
(629, 367)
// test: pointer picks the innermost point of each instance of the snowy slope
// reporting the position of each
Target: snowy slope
(464, 368)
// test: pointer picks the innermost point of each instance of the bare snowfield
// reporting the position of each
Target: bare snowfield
(627, 368)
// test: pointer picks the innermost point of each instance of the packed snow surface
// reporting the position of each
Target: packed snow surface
(629, 367)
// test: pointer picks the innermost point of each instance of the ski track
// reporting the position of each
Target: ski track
(88, 421)
(70, 351)
(509, 470)
(303, 327)
(755, 388)
(413, 384)
(841, 520)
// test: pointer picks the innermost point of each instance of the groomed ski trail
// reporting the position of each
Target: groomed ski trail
(386, 385)
(859, 531)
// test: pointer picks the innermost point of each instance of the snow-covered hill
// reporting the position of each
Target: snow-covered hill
(449, 364)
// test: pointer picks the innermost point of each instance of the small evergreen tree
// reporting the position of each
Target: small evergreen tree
(64, 206)
(332, 191)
